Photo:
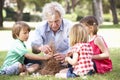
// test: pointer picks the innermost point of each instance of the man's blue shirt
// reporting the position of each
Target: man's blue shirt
(43, 35)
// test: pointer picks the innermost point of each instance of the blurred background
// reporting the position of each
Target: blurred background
(30, 10)
(106, 11)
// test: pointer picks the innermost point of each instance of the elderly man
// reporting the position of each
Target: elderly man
(53, 28)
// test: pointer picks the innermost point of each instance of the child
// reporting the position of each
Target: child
(81, 53)
(101, 57)
(14, 61)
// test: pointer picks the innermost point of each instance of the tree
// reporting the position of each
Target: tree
(40, 3)
(20, 6)
(97, 10)
(114, 13)
(1, 16)
(68, 6)
(71, 4)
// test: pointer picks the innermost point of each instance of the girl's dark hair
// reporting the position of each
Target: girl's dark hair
(90, 21)
(17, 28)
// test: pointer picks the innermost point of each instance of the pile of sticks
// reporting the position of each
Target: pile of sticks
(51, 66)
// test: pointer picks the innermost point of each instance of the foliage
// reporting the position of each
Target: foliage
(106, 6)
(84, 9)
(107, 17)
(39, 3)
(4, 13)
(71, 16)
(35, 18)
(114, 75)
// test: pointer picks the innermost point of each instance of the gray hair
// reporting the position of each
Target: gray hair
(51, 8)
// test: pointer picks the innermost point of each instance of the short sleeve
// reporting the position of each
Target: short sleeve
(19, 48)
(76, 48)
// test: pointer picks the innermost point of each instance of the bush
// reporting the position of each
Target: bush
(79, 18)
(107, 17)
(71, 17)
(26, 16)
(35, 18)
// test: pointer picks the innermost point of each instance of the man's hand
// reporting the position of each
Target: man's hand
(45, 48)
(59, 57)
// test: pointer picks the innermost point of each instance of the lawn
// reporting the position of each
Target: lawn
(107, 31)
(114, 75)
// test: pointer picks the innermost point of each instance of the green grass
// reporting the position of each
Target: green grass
(114, 75)
(110, 26)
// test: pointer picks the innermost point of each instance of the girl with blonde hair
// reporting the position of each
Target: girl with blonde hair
(80, 54)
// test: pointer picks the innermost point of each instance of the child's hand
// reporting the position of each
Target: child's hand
(66, 59)
(69, 54)
(47, 56)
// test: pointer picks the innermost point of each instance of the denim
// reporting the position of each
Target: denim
(11, 70)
